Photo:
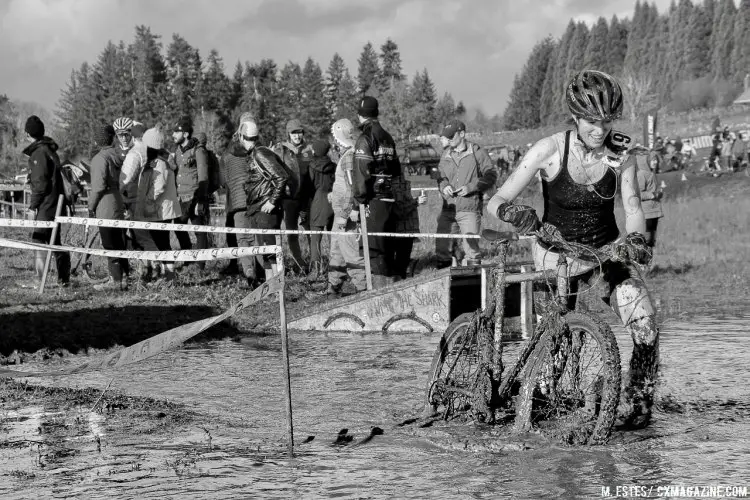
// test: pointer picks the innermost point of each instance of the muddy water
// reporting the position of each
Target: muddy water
(356, 382)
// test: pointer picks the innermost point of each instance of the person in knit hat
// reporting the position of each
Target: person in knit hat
(375, 165)
(105, 202)
(46, 187)
(296, 153)
(157, 199)
(346, 256)
(322, 171)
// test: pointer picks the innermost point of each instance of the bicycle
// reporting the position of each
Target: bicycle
(570, 364)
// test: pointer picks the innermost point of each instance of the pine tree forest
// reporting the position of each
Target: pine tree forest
(154, 85)
(693, 56)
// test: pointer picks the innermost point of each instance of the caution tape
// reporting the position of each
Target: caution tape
(164, 226)
(161, 342)
(165, 256)
(26, 223)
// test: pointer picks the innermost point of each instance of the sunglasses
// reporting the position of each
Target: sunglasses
(248, 138)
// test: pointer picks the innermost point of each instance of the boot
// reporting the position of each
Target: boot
(112, 285)
(331, 291)
(144, 270)
(314, 273)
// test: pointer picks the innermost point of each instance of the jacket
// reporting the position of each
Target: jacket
(105, 197)
(191, 164)
(234, 167)
(405, 215)
(322, 172)
(375, 163)
(132, 166)
(157, 192)
(472, 168)
(647, 186)
(44, 177)
(266, 180)
(297, 160)
(341, 193)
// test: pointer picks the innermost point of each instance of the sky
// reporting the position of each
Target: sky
(471, 48)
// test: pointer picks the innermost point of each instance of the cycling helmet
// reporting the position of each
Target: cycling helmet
(594, 95)
(123, 124)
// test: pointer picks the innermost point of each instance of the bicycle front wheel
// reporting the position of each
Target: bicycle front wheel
(572, 383)
(453, 372)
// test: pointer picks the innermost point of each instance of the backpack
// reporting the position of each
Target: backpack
(214, 170)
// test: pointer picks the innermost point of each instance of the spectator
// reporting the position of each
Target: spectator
(46, 188)
(322, 172)
(346, 252)
(264, 188)
(157, 199)
(467, 173)
(135, 159)
(404, 219)
(375, 165)
(296, 154)
(105, 202)
(650, 201)
(191, 164)
(739, 153)
(726, 150)
(688, 150)
(123, 130)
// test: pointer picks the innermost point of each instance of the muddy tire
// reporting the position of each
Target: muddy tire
(572, 384)
(454, 365)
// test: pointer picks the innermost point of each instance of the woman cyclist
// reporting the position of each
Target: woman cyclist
(581, 170)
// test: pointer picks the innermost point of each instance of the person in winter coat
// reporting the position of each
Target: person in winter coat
(650, 200)
(404, 219)
(346, 255)
(466, 172)
(105, 202)
(157, 199)
(132, 165)
(322, 172)
(192, 166)
(265, 186)
(46, 188)
(296, 153)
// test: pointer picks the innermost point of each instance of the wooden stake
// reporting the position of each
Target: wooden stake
(285, 350)
(55, 228)
(527, 299)
(365, 245)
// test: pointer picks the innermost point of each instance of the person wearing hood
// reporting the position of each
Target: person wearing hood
(157, 199)
(191, 164)
(296, 153)
(322, 171)
(105, 202)
(46, 187)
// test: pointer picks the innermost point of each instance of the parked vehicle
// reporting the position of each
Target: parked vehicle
(419, 158)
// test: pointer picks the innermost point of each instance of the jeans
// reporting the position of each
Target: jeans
(379, 213)
(242, 220)
(292, 210)
(189, 217)
(262, 263)
(450, 222)
(114, 239)
(346, 257)
(62, 259)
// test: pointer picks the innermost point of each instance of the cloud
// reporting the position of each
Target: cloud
(472, 49)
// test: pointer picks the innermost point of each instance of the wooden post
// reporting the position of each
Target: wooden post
(12, 204)
(527, 301)
(365, 245)
(285, 349)
(55, 228)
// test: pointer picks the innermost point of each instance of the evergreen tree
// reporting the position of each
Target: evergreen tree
(261, 98)
(390, 59)
(596, 55)
(401, 114)
(112, 89)
(290, 91)
(635, 56)
(369, 76)
(460, 110)
(723, 39)
(698, 47)
(148, 72)
(676, 60)
(335, 74)
(423, 91)
(445, 110)
(560, 76)
(741, 49)
(184, 73)
(617, 46)
(523, 110)
(347, 99)
(314, 109)
(77, 112)
(577, 52)
(549, 89)
(238, 89)
(217, 94)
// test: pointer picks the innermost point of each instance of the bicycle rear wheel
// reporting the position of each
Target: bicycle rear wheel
(453, 372)
(572, 383)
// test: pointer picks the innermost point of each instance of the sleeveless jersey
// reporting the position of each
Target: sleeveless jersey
(584, 214)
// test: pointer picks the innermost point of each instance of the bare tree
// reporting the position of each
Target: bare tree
(640, 93)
